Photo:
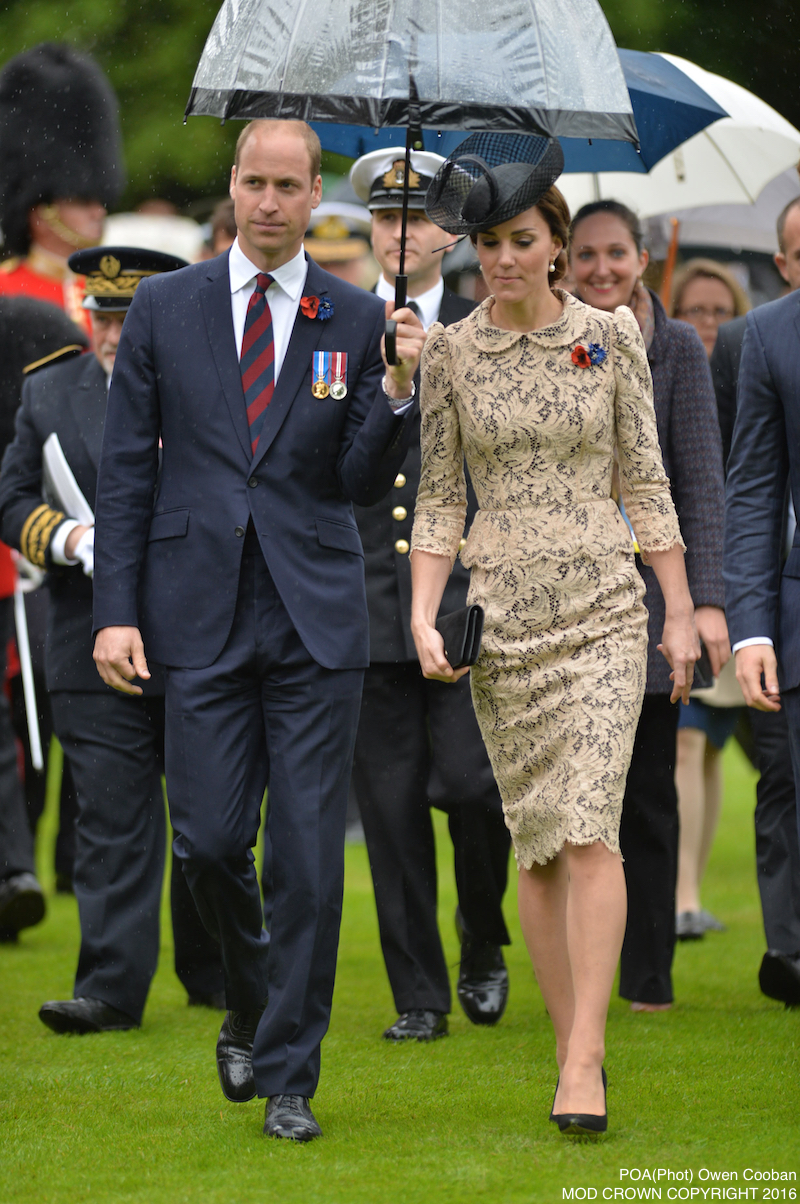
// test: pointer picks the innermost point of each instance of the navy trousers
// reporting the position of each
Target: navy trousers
(265, 715)
(114, 745)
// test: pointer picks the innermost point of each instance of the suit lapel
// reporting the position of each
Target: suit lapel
(306, 334)
(215, 299)
(88, 405)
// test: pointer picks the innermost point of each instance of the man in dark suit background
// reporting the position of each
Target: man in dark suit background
(777, 848)
(114, 746)
(240, 569)
(418, 741)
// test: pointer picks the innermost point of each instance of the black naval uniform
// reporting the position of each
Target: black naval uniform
(113, 742)
(419, 745)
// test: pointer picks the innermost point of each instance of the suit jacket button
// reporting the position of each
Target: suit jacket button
(399, 513)
(399, 481)
(252, 482)
(239, 532)
(402, 546)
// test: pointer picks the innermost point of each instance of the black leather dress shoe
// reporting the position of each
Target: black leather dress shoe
(235, 1055)
(84, 1015)
(779, 977)
(482, 987)
(290, 1116)
(21, 903)
(419, 1024)
(216, 1001)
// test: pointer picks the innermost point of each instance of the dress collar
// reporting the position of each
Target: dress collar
(558, 334)
(290, 276)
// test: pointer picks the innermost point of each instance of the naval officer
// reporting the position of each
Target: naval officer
(418, 742)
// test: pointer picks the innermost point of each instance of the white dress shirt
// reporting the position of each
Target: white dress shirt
(428, 303)
(283, 297)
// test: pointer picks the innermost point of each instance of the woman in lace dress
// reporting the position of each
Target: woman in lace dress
(541, 395)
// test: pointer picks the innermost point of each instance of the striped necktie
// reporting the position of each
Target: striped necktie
(258, 358)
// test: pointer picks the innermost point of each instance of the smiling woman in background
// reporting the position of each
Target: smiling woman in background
(541, 395)
(607, 259)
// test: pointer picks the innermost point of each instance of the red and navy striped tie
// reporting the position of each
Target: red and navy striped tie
(258, 358)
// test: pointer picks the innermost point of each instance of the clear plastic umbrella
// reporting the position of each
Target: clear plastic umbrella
(548, 66)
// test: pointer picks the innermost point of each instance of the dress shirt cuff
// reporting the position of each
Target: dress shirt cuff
(754, 639)
(400, 410)
(62, 534)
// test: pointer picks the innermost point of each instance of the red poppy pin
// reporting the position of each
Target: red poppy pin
(317, 307)
(587, 359)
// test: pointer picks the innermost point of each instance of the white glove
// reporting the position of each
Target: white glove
(84, 552)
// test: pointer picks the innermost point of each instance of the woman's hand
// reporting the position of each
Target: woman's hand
(713, 631)
(680, 645)
(430, 650)
(410, 341)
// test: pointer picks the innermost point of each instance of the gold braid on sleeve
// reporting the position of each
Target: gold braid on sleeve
(37, 531)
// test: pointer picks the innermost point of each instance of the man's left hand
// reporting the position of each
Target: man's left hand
(410, 341)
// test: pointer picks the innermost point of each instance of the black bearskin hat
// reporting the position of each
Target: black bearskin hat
(59, 136)
(30, 331)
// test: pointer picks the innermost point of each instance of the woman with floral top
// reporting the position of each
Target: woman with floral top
(542, 396)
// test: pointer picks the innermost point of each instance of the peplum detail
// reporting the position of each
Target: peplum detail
(559, 683)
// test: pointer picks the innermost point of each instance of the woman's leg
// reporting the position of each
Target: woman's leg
(690, 780)
(713, 787)
(542, 902)
(573, 914)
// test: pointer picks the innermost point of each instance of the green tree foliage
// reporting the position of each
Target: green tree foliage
(150, 49)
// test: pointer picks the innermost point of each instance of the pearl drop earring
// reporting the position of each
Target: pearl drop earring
(552, 267)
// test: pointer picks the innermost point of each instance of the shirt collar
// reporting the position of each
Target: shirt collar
(429, 303)
(290, 276)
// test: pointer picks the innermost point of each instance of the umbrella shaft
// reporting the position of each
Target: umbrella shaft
(401, 280)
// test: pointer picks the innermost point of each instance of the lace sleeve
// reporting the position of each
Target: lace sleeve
(441, 507)
(644, 484)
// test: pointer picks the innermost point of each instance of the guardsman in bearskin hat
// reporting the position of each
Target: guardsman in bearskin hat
(418, 741)
(60, 167)
(29, 330)
(114, 744)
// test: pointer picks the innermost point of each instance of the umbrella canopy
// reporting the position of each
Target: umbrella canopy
(668, 107)
(517, 65)
(728, 163)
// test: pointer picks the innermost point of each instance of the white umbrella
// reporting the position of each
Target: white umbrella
(727, 163)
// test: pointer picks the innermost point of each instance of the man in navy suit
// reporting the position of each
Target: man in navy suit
(763, 604)
(240, 569)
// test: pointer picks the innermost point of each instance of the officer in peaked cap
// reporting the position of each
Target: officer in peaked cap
(338, 240)
(60, 167)
(114, 743)
(418, 741)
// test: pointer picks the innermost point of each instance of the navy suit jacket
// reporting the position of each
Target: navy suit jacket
(765, 453)
(169, 542)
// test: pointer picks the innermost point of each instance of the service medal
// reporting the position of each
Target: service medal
(339, 374)
(322, 374)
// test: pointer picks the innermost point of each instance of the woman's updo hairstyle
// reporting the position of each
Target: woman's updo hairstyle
(555, 211)
(616, 209)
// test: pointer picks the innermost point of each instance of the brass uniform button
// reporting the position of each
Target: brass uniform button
(402, 546)
(461, 544)
(399, 481)
(399, 513)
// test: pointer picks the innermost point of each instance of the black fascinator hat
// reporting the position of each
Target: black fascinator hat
(490, 178)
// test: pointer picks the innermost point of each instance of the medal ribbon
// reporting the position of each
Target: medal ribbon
(322, 366)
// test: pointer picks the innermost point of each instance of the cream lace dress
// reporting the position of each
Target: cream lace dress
(559, 682)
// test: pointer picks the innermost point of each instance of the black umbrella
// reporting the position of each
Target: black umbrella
(521, 66)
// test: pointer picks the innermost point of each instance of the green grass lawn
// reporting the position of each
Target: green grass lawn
(139, 1116)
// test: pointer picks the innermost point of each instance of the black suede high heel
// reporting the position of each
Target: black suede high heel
(552, 1115)
(583, 1124)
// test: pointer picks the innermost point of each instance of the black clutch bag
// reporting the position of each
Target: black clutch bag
(461, 631)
